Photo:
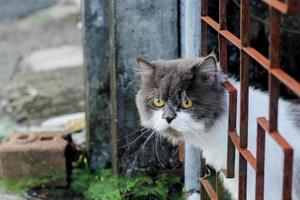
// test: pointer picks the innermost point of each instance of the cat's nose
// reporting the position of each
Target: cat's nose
(169, 119)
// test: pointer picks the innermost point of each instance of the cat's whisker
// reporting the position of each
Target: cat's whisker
(130, 144)
(177, 149)
(177, 165)
(160, 162)
(135, 132)
(160, 140)
(141, 148)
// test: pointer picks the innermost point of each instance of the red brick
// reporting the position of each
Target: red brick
(34, 155)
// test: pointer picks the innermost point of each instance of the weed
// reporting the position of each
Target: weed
(103, 185)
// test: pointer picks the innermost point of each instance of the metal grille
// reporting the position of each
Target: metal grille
(276, 76)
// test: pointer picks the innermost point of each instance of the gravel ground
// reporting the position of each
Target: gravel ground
(20, 37)
(14, 9)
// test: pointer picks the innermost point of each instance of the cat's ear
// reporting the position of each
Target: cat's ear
(146, 68)
(207, 69)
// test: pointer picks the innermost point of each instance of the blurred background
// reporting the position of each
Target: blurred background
(41, 62)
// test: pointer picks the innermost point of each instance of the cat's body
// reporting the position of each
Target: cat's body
(203, 122)
(214, 149)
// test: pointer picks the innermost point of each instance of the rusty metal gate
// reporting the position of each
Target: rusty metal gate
(276, 76)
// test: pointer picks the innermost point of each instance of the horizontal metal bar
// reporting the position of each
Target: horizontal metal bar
(226, 34)
(287, 80)
(257, 56)
(245, 152)
(209, 189)
(291, 7)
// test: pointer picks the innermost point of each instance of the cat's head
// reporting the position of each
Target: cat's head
(180, 98)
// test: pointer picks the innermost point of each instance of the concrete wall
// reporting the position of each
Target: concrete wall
(117, 32)
(146, 29)
(96, 21)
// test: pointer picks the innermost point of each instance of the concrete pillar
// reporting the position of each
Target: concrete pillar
(96, 34)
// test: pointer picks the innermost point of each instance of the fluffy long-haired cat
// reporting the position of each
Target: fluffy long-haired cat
(185, 100)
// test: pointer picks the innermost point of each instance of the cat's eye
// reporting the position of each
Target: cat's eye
(158, 102)
(186, 104)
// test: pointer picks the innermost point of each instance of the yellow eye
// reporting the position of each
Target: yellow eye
(187, 104)
(158, 102)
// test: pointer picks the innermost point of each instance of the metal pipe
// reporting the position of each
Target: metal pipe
(190, 47)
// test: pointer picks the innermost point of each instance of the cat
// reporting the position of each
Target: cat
(184, 100)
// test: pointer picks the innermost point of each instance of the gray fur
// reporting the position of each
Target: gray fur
(198, 79)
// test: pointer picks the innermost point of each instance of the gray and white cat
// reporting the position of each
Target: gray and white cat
(185, 100)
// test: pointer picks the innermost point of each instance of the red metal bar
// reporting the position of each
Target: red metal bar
(276, 76)
(231, 127)
(226, 34)
(221, 39)
(260, 156)
(209, 189)
(244, 63)
(274, 63)
(245, 153)
(181, 152)
(288, 157)
(291, 7)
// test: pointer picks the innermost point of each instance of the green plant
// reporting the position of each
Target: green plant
(20, 187)
(103, 185)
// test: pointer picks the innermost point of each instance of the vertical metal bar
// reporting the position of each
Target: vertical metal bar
(224, 65)
(287, 175)
(222, 41)
(244, 33)
(203, 52)
(190, 47)
(181, 152)
(203, 193)
(274, 49)
(260, 163)
(204, 12)
(292, 6)
(231, 128)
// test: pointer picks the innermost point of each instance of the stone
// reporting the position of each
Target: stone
(66, 56)
(35, 155)
(59, 122)
(7, 196)
(42, 95)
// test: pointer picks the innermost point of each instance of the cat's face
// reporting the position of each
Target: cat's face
(180, 98)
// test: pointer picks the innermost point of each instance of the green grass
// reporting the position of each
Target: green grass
(103, 185)
(21, 187)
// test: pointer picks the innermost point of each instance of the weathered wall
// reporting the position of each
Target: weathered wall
(96, 21)
(146, 29)
(141, 28)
